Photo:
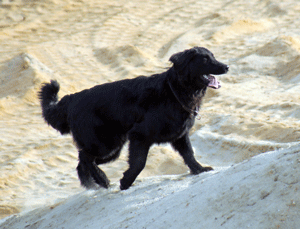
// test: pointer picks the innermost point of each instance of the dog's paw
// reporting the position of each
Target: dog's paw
(208, 168)
(123, 185)
(202, 169)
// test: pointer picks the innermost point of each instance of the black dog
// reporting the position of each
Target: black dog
(145, 110)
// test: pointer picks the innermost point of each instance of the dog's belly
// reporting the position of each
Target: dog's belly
(162, 130)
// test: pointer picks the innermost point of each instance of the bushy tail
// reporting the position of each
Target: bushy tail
(54, 112)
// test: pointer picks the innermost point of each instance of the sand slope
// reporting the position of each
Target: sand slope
(82, 44)
(254, 194)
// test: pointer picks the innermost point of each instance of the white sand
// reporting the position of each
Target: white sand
(254, 194)
(84, 43)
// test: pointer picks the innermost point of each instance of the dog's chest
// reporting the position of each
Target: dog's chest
(173, 130)
(185, 127)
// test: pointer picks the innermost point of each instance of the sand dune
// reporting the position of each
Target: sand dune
(232, 197)
(82, 44)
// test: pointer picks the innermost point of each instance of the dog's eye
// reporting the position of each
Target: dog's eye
(205, 60)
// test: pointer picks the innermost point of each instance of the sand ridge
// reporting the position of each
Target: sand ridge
(82, 44)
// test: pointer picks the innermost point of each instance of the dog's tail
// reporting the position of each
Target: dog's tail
(54, 112)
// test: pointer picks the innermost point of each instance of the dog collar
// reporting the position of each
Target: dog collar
(191, 111)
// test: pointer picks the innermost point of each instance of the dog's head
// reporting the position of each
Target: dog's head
(197, 65)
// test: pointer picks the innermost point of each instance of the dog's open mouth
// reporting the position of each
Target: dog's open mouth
(213, 82)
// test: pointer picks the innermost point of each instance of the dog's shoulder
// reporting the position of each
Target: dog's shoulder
(153, 90)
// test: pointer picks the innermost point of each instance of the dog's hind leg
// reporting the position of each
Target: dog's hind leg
(113, 156)
(138, 152)
(89, 172)
(85, 177)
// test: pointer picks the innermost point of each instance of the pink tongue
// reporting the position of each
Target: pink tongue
(214, 83)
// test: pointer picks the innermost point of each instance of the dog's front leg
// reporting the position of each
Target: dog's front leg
(184, 147)
(138, 152)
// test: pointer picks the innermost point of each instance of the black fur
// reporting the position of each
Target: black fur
(145, 110)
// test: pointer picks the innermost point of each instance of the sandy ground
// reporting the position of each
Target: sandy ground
(253, 194)
(84, 43)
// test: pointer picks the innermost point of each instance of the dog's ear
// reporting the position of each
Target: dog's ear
(181, 59)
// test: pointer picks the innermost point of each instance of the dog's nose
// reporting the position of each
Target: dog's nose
(227, 67)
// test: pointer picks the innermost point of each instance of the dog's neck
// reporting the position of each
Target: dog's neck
(188, 96)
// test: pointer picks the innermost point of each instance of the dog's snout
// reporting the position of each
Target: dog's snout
(226, 68)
